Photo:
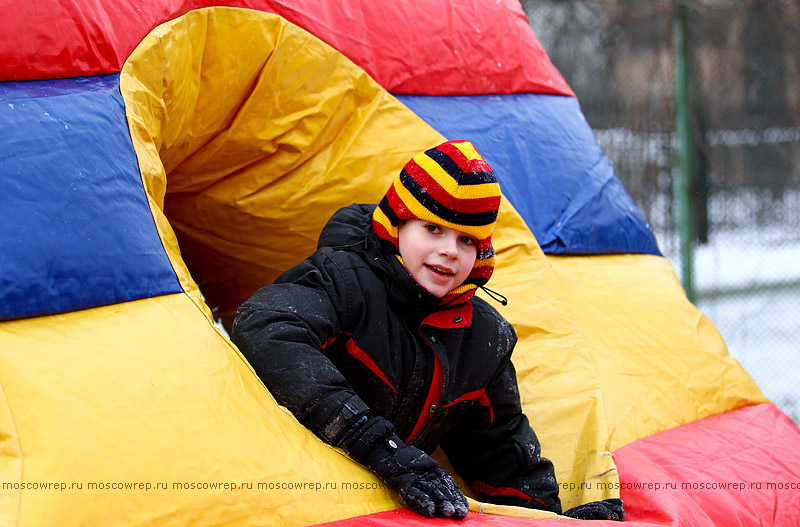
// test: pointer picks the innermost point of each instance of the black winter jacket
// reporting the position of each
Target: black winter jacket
(349, 332)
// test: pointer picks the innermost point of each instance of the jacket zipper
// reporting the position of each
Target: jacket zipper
(433, 399)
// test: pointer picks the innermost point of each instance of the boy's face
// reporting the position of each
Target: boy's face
(439, 258)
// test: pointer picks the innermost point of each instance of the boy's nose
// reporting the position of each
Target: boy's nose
(449, 246)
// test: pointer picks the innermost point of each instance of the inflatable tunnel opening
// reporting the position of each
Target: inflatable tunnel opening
(250, 133)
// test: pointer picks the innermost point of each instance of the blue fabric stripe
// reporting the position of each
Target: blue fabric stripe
(550, 167)
(76, 230)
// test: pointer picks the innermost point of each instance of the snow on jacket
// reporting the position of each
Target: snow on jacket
(349, 332)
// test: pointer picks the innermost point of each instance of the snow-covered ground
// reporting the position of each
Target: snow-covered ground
(748, 284)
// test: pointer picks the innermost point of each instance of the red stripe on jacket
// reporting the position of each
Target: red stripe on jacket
(449, 318)
(434, 394)
(482, 398)
(361, 355)
(488, 490)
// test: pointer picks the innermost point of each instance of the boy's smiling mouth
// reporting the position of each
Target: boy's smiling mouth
(440, 270)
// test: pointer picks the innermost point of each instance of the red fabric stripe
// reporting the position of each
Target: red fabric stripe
(394, 42)
(482, 272)
(485, 244)
(468, 397)
(454, 298)
(482, 398)
(474, 165)
(690, 475)
(381, 231)
(441, 195)
(407, 518)
(333, 338)
(398, 206)
(329, 342)
(434, 395)
(485, 488)
(446, 317)
(353, 349)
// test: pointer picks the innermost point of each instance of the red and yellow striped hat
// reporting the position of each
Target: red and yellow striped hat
(451, 185)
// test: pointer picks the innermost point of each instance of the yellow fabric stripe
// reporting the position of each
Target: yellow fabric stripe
(484, 190)
(468, 150)
(480, 232)
(383, 219)
(462, 289)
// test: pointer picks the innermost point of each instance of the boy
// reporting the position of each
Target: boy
(377, 344)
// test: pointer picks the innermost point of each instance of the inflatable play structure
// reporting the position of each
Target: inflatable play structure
(160, 160)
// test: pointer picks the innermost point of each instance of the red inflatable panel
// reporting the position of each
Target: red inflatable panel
(406, 518)
(740, 468)
(423, 47)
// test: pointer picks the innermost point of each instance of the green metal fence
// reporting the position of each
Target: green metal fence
(697, 103)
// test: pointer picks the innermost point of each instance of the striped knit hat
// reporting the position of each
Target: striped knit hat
(453, 186)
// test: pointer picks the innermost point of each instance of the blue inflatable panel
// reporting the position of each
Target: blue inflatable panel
(550, 167)
(76, 229)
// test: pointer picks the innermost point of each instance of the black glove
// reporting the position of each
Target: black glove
(424, 485)
(610, 509)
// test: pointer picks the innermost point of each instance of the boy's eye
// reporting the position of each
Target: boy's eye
(432, 228)
(468, 240)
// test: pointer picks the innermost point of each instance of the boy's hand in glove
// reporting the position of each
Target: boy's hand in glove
(423, 484)
(610, 509)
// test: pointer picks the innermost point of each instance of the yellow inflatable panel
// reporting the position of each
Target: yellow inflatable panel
(262, 141)
(167, 426)
(559, 388)
(610, 351)
(10, 460)
(660, 360)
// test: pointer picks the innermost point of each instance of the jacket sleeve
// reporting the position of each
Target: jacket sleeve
(497, 452)
(282, 330)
